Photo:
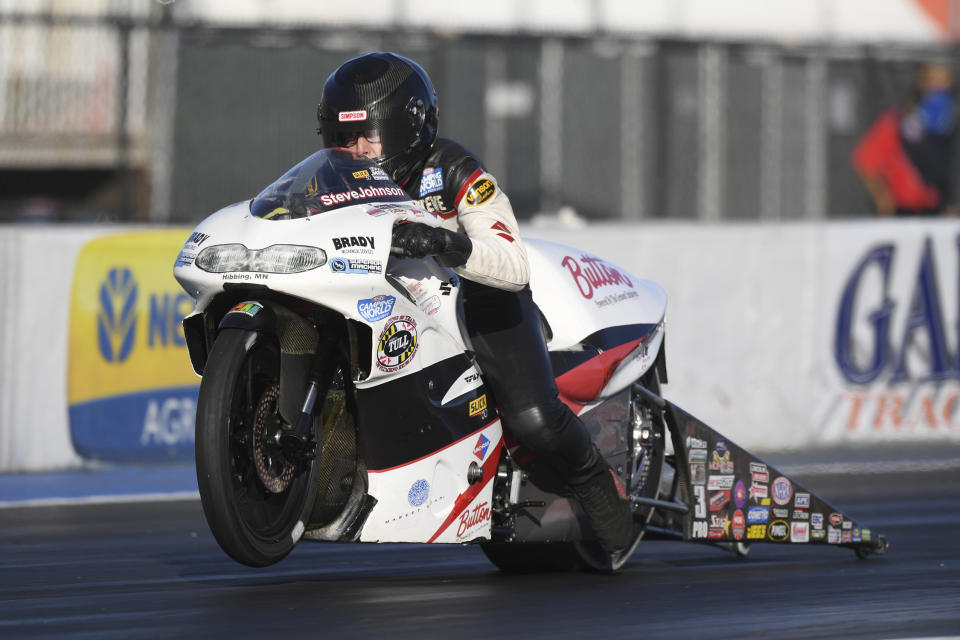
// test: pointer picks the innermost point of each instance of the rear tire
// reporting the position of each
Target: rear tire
(255, 500)
(646, 437)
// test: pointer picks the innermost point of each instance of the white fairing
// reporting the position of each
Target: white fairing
(581, 295)
(431, 500)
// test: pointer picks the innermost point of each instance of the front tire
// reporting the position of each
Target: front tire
(255, 500)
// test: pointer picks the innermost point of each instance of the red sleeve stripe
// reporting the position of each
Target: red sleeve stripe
(473, 177)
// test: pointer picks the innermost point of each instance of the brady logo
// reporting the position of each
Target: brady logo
(352, 116)
(117, 319)
(432, 180)
(353, 241)
(590, 273)
(376, 308)
(418, 493)
(197, 238)
(480, 449)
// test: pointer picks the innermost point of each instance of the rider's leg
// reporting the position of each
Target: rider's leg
(504, 328)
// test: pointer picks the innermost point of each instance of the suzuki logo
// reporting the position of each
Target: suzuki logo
(117, 320)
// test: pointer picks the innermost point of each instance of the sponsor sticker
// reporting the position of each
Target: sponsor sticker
(799, 532)
(478, 405)
(378, 173)
(363, 174)
(780, 513)
(418, 493)
(866, 535)
(816, 520)
(782, 491)
(719, 526)
(361, 193)
(432, 180)
(757, 532)
(363, 242)
(759, 493)
(801, 514)
(779, 531)
(699, 529)
(721, 463)
(344, 265)
(856, 534)
(431, 305)
(836, 519)
(697, 455)
(846, 537)
(801, 501)
(352, 116)
(739, 524)
(696, 443)
(847, 524)
(480, 449)
(698, 473)
(397, 344)
(376, 308)
(833, 535)
(470, 519)
(700, 505)
(480, 191)
(719, 500)
(248, 308)
(739, 494)
(818, 534)
(716, 483)
(757, 514)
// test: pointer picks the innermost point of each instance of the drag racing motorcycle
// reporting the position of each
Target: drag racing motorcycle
(340, 400)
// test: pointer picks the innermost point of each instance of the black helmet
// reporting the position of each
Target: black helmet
(385, 95)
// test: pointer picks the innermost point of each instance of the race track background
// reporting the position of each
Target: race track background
(146, 566)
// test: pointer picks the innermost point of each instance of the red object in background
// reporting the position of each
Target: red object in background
(881, 153)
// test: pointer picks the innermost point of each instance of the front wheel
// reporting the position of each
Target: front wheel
(255, 500)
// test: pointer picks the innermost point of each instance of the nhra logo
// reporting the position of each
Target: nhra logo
(117, 319)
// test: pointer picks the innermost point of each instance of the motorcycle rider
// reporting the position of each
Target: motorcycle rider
(383, 106)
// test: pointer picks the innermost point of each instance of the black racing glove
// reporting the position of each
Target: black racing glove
(418, 240)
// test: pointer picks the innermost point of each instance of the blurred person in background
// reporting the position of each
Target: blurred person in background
(905, 158)
(383, 106)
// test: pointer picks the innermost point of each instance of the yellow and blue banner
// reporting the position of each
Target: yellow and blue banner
(130, 389)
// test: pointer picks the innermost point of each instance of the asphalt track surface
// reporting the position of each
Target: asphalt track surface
(152, 570)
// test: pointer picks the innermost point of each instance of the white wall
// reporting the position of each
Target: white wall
(750, 329)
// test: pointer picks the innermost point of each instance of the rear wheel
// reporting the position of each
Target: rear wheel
(646, 437)
(256, 500)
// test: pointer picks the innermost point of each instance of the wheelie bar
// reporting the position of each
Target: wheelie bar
(733, 498)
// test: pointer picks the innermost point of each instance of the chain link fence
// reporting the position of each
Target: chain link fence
(142, 118)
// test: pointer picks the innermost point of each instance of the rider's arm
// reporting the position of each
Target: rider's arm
(498, 258)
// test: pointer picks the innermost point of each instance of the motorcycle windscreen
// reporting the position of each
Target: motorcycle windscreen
(329, 179)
